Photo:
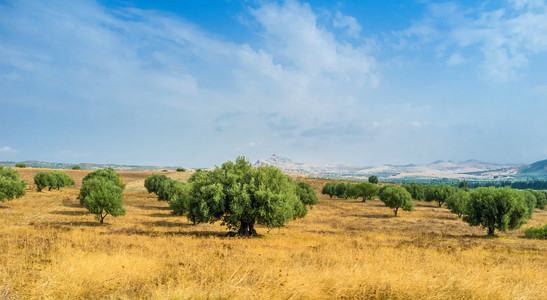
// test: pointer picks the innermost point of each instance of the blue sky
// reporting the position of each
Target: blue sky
(196, 83)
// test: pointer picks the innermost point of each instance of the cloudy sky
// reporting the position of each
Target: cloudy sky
(195, 83)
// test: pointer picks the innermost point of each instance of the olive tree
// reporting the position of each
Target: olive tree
(439, 193)
(20, 165)
(167, 188)
(541, 198)
(103, 174)
(457, 202)
(10, 184)
(154, 183)
(397, 197)
(417, 191)
(365, 190)
(60, 179)
(76, 167)
(373, 179)
(242, 196)
(329, 189)
(502, 209)
(104, 198)
(41, 180)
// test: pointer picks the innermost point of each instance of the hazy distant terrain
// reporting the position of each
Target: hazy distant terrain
(469, 169)
(87, 166)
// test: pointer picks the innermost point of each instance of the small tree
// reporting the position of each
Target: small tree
(341, 190)
(103, 197)
(439, 193)
(457, 202)
(541, 198)
(154, 183)
(20, 165)
(365, 190)
(168, 188)
(241, 196)
(530, 202)
(41, 180)
(417, 191)
(10, 184)
(397, 197)
(502, 209)
(181, 170)
(76, 167)
(59, 179)
(373, 179)
(463, 185)
(103, 174)
(329, 189)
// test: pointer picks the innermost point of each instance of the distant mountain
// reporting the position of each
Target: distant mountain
(87, 166)
(472, 169)
(537, 168)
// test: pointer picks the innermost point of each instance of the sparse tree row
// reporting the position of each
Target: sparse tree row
(52, 180)
(238, 194)
(493, 208)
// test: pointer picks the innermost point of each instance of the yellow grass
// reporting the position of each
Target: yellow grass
(51, 248)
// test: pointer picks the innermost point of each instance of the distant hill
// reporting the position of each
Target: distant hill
(87, 166)
(537, 168)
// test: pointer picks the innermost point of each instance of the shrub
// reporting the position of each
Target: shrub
(536, 232)
(20, 165)
(502, 209)
(181, 170)
(60, 179)
(41, 180)
(307, 197)
(10, 184)
(76, 167)
(373, 179)
(241, 196)
(397, 197)
(102, 197)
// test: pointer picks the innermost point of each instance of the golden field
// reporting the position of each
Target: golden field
(51, 248)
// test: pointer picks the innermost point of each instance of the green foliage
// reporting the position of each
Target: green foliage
(329, 189)
(168, 188)
(541, 198)
(463, 185)
(341, 190)
(502, 209)
(529, 201)
(20, 165)
(457, 202)
(181, 170)
(365, 190)
(102, 197)
(373, 179)
(154, 183)
(439, 193)
(41, 180)
(417, 191)
(397, 197)
(536, 232)
(76, 167)
(104, 174)
(241, 196)
(10, 184)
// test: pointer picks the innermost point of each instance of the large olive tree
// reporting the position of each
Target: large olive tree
(10, 184)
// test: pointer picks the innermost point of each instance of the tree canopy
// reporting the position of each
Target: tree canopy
(102, 193)
(397, 197)
(241, 196)
(10, 184)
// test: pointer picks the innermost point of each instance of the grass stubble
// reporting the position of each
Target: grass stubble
(51, 248)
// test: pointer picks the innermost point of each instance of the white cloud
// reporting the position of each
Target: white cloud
(349, 23)
(455, 59)
(7, 149)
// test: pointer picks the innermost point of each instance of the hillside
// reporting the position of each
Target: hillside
(87, 166)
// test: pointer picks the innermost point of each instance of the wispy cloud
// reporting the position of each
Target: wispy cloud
(7, 149)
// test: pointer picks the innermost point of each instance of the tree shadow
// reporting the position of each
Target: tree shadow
(3, 207)
(160, 215)
(71, 212)
(164, 223)
(69, 224)
(365, 216)
(150, 207)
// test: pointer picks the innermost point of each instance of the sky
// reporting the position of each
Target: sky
(196, 83)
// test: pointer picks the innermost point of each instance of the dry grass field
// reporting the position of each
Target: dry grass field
(51, 248)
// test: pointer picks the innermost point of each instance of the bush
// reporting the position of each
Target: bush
(10, 184)
(20, 165)
(241, 196)
(373, 179)
(76, 167)
(181, 170)
(102, 197)
(41, 180)
(397, 197)
(502, 209)
(536, 232)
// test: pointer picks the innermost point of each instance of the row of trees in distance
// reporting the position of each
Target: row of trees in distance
(52, 180)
